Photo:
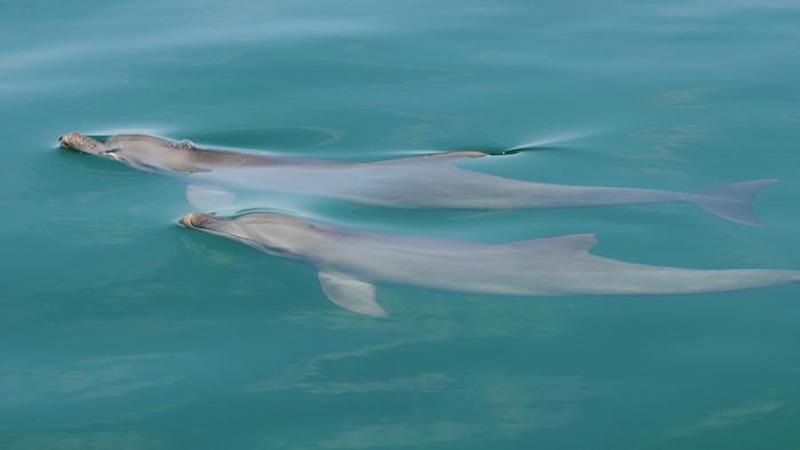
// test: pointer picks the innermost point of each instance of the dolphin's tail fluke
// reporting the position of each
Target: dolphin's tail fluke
(733, 201)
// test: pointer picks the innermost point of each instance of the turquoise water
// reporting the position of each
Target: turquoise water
(120, 330)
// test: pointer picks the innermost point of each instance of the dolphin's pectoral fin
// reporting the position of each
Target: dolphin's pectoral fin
(186, 167)
(352, 294)
(573, 243)
(209, 198)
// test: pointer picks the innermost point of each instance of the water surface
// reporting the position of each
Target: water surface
(120, 330)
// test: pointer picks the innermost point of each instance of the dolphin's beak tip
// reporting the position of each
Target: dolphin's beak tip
(65, 140)
(194, 220)
(186, 220)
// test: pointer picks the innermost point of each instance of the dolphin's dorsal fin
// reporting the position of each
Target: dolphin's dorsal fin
(574, 243)
(435, 157)
(351, 294)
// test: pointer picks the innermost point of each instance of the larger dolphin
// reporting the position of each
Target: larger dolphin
(433, 181)
(350, 262)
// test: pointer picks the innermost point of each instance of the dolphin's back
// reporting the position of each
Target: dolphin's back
(456, 265)
(207, 159)
(552, 266)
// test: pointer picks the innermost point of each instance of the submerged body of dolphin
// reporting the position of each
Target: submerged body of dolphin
(350, 262)
(433, 181)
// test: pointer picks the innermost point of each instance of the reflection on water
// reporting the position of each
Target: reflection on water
(86, 380)
(123, 440)
(279, 137)
(727, 418)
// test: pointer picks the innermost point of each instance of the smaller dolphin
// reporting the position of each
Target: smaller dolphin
(423, 182)
(350, 262)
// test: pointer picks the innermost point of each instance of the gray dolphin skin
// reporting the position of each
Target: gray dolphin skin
(351, 261)
(422, 182)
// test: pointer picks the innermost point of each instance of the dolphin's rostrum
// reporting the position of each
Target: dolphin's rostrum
(351, 261)
(433, 181)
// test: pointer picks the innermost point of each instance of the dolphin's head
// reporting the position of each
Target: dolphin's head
(275, 233)
(136, 150)
(83, 143)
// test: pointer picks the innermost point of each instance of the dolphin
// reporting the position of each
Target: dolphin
(350, 262)
(421, 182)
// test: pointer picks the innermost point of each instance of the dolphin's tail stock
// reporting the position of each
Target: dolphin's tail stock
(733, 201)
(731, 280)
(652, 280)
